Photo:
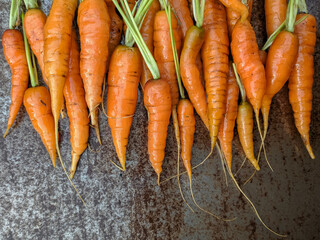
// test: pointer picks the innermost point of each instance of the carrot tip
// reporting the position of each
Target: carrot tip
(309, 149)
(158, 179)
(72, 174)
(6, 133)
(96, 128)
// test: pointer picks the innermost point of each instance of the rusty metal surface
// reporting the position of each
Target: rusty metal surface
(37, 202)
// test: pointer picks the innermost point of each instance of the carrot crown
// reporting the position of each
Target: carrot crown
(14, 14)
(291, 14)
(31, 63)
(303, 6)
(198, 11)
(239, 82)
(134, 29)
(31, 4)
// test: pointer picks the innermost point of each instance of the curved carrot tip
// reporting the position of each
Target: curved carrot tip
(72, 174)
(7, 131)
(74, 163)
(158, 179)
(96, 128)
(256, 166)
(53, 159)
(309, 149)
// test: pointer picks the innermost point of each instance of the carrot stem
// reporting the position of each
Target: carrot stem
(31, 4)
(145, 52)
(14, 14)
(292, 12)
(31, 63)
(242, 91)
(198, 11)
(303, 6)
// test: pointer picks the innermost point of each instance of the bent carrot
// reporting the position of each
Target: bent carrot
(237, 6)
(301, 78)
(275, 11)
(227, 125)
(181, 9)
(76, 106)
(215, 51)
(14, 52)
(94, 30)
(146, 31)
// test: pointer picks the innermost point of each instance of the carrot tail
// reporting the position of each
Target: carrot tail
(265, 108)
(306, 142)
(7, 131)
(74, 163)
(95, 122)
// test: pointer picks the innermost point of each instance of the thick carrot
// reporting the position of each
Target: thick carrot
(146, 31)
(190, 73)
(157, 99)
(34, 23)
(123, 80)
(37, 102)
(227, 125)
(301, 78)
(94, 29)
(275, 11)
(163, 51)
(183, 14)
(187, 128)
(237, 6)
(76, 106)
(14, 52)
(116, 25)
(215, 51)
(245, 54)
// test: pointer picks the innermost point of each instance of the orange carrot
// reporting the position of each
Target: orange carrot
(163, 51)
(76, 106)
(301, 78)
(94, 29)
(37, 102)
(227, 125)
(275, 11)
(182, 12)
(263, 56)
(187, 128)
(14, 52)
(237, 6)
(146, 31)
(215, 51)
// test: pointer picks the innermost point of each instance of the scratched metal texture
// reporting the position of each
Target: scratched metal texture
(37, 201)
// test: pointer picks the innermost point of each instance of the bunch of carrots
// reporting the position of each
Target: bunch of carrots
(187, 56)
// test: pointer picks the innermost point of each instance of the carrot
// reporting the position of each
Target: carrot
(301, 78)
(181, 9)
(263, 57)
(94, 30)
(237, 6)
(146, 31)
(227, 125)
(215, 51)
(281, 58)
(76, 106)
(14, 52)
(275, 11)
(123, 81)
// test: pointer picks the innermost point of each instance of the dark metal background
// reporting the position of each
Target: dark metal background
(37, 201)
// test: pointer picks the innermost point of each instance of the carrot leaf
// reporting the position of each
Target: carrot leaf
(303, 6)
(14, 14)
(239, 82)
(31, 4)
(292, 12)
(131, 24)
(31, 63)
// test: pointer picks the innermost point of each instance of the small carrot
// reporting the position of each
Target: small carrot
(215, 51)
(227, 125)
(146, 31)
(301, 78)
(94, 30)
(281, 58)
(275, 11)
(14, 52)
(76, 106)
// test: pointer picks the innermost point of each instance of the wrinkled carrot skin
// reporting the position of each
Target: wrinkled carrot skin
(190, 73)
(281, 58)
(187, 124)
(157, 99)
(245, 129)
(182, 12)
(57, 42)
(37, 102)
(146, 31)
(245, 53)
(227, 125)
(14, 52)
(94, 30)
(123, 81)
(301, 78)
(215, 51)
(275, 11)
(116, 25)
(34, 22)
(237, 6)
(263, 56)
(76, 106)
(163, 51)
(233, 17)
